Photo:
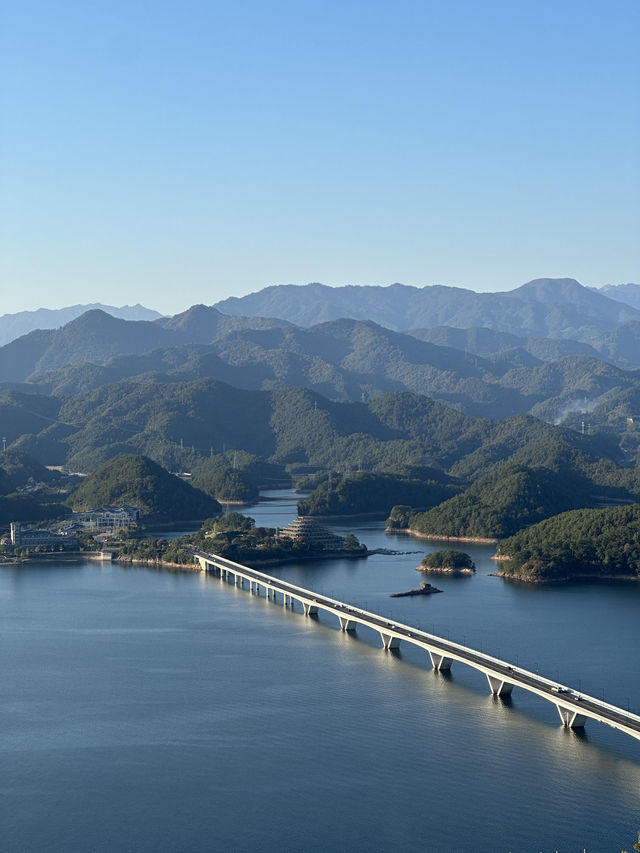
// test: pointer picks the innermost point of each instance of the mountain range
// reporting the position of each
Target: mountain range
(524, 421)
(479, 370)
(559, 308)
(96, 336)
(13, 326)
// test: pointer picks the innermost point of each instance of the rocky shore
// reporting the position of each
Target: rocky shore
(509, 576)
(477, 540)
(444, 570)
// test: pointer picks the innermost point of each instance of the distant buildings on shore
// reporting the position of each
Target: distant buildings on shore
(99, 520)
(106, 519)
(23, 537)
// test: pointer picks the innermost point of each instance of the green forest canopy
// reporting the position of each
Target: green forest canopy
(592, 542)
(138, 481)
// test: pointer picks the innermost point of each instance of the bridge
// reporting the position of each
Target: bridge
(573, 707)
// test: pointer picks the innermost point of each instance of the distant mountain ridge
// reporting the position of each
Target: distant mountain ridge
(556, 308)
(479, 370)
(628, 293)
(13, 326)
(350, 360)
(95, 337)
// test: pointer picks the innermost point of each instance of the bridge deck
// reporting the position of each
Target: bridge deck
(573, 706)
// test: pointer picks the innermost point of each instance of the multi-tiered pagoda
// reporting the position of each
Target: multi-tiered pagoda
(306, 531)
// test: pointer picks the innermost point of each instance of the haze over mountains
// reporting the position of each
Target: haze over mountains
(479, 370)
(629, 293)
(96, 336)
(394, 307)
(541, 308)
(13, 326)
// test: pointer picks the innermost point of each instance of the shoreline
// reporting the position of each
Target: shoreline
(567, 579)
(477, 540)
(110, 557)
(428, 570)
(59, 556)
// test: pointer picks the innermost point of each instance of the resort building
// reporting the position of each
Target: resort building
(107, 519)
(32, 538)
(306, 531)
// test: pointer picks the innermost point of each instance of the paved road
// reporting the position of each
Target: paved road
(580, 702)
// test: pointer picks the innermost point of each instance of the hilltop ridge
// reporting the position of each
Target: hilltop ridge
(543, 307)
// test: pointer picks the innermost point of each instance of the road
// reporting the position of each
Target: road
(560, 695)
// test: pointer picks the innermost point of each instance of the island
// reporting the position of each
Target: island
(447, 562)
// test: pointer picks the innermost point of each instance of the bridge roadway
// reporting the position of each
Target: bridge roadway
(573, 707)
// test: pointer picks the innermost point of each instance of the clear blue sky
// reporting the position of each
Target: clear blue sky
(178, 152)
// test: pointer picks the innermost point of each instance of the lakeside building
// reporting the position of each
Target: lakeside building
(31, 538)
(107, 519)
(306, 531)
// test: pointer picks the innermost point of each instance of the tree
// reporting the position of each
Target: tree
(351, 542)
(399, 517)
(232, 521)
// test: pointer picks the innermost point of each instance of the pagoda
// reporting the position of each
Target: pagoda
(306, 531)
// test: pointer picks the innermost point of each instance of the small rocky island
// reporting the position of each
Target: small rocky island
(425, 589)
(447, 562)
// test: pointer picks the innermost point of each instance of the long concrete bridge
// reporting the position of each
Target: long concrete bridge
(573, 707)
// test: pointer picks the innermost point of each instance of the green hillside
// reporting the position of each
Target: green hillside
(367, 492)
(592, 542)
(138, 481)
(500, 503)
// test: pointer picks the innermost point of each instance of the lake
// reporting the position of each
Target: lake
(145, 710)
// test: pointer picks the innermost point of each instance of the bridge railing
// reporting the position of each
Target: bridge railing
(441, 643)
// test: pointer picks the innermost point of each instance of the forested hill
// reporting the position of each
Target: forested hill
(95, 337)
(479, 340)
(347, 360)
(138, 481)
(14, 326)
(176, 423)
(585, 543)
(513, 472)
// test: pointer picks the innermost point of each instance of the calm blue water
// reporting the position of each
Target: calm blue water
(149, 711)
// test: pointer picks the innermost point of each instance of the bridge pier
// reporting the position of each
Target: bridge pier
(439, 662)
(389, 642)
(498, 686)
(347, 624)
(309, 609)
(571, 719)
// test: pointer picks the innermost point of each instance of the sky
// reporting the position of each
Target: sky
(173, 153)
